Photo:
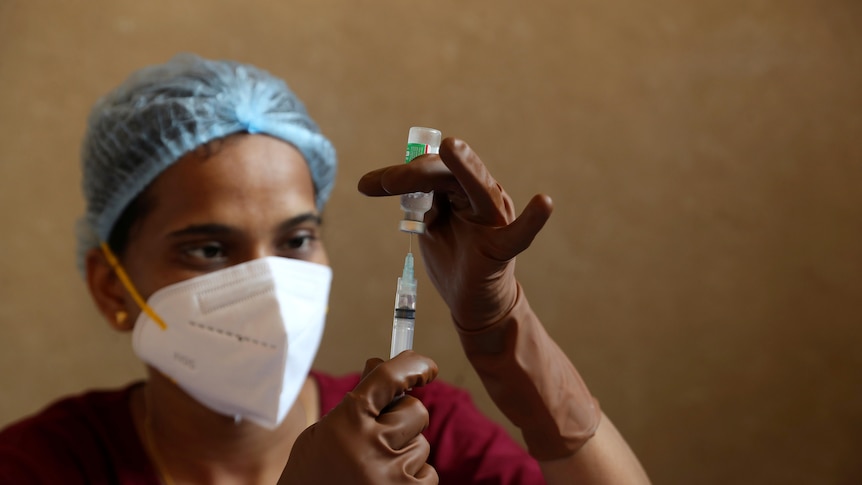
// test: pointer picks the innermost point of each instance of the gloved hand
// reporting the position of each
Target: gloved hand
(373, 435)
(471, 239)
(472, 235)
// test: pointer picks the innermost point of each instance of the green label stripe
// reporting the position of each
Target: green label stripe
(414, 150)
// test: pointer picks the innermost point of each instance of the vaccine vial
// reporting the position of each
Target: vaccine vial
(420, 140)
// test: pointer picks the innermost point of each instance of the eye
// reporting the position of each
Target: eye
(209, 251)
(299, 244)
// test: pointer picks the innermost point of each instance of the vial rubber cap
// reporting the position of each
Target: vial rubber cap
(415, 227)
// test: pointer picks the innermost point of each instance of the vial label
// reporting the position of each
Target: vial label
(414, 150)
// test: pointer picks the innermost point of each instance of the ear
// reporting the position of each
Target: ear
(107, 291)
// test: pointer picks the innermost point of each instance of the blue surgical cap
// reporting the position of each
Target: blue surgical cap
(164, 111)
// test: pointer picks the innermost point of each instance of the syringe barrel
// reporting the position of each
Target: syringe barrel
(402, 335)
(404, 318)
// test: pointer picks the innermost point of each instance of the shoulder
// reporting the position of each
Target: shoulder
(78, 435)
(469, 447)
(87, 410)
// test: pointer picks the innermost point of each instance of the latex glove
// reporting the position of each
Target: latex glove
(373, 435)
(471, 239)
(472, 235)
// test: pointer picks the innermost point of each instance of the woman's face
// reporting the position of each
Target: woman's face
(251, 196)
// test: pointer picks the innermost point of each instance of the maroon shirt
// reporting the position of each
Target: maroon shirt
(91, 439)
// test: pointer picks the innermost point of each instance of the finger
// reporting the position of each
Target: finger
(423, 174)
(413, 457)
(427, 475)
(517, 236)
(370, 365)
(403, 421)
(392, 378)
(485, 194)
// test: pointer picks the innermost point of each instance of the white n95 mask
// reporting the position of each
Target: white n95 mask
(240, 340)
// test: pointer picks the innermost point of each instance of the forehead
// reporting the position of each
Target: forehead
(239, 159)
(239, 175)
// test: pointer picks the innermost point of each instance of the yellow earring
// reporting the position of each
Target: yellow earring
(120, 317)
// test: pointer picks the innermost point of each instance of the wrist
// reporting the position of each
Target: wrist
(491, 307)
(533, 382)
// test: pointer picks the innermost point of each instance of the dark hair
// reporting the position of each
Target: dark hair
(118, 240)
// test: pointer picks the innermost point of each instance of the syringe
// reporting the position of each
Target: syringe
(420, 140)
(405, 310)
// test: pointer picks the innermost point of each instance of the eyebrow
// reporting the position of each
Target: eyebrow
(299, 220)
(215, 229)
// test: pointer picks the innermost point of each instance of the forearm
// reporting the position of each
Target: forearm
(605, 459)
(536, 386)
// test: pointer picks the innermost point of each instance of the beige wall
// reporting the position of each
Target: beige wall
(702, 269)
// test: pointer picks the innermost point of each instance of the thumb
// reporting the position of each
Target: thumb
(517, 236)
(370, 365)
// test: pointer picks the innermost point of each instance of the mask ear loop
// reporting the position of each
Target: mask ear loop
(127, 283)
